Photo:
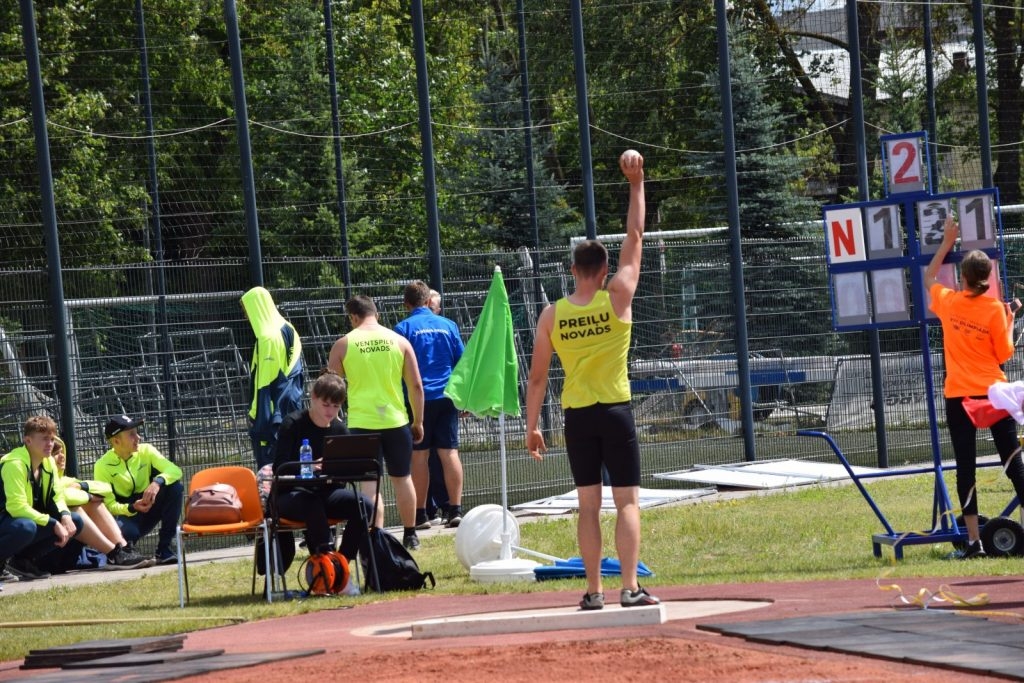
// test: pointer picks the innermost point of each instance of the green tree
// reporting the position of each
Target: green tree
(901, 87)
(830, 109)
(644, 64)
(99, 201)
(1007, 34)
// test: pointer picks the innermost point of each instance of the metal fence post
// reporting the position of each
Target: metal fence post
(61, 344)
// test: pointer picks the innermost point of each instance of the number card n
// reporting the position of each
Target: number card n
(844, 233)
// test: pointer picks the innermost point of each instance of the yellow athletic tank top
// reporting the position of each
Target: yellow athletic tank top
(593, 346)
(373, 367)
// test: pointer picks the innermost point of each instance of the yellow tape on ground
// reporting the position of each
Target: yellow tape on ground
(991, 613)
(947, 595)
(924, 597)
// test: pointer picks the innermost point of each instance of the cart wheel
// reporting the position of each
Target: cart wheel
(1003, 536)
(962, 545)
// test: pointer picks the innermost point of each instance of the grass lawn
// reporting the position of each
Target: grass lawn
(819, 532)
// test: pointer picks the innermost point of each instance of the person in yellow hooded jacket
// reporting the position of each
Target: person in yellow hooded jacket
(275, 373)
(147, 487)
(34, 517)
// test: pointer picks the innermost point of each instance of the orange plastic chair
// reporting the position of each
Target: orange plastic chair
(253, 522)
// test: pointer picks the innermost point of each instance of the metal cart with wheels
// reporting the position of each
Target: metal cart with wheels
(1001, 536)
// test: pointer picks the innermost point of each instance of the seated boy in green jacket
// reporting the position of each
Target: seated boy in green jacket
(34, 518)
(147, 486)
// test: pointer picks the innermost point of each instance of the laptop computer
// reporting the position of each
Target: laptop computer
(354, 456)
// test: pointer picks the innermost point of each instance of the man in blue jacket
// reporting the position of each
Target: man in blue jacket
(438, 347)
(276, 372)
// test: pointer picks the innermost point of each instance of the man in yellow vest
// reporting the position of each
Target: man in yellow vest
(374, 360)
(34, 517)
(590, 331)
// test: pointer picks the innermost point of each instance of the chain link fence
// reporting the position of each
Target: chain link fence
(156, 252)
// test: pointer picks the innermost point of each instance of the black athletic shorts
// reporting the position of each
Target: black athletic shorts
(395, 448)
(602, 434)
(440, 425)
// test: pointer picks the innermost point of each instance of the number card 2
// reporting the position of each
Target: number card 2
(905, 162)
(931, 216)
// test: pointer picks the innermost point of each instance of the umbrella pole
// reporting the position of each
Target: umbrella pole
(506, 535)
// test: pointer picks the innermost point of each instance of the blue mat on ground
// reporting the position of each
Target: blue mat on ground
(573, 567)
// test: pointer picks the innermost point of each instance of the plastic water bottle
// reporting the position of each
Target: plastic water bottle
(305, 460)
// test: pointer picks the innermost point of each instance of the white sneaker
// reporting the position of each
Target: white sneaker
(351, 589)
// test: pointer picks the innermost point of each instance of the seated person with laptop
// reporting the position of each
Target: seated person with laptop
(316, 505)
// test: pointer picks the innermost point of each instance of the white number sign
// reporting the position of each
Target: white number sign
(976, 222)
(905, 172)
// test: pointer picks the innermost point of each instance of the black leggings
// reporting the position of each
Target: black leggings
(963, 434)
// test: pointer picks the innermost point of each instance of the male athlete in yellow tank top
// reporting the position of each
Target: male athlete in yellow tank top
(590, 331)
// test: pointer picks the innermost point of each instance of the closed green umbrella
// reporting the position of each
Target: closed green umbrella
(486, 379)
(486, 383)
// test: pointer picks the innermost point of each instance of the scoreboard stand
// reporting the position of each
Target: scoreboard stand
(877, 253)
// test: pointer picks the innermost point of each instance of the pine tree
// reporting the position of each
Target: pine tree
(772, 207)
(495, 199)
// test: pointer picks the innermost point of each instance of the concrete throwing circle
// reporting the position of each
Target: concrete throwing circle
(556, 619)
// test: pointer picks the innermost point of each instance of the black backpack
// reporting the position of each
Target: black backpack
(396, 568)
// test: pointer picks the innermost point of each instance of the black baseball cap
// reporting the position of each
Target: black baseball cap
(120, 423)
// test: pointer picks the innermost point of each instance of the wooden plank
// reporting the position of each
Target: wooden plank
(125, 644)
(168, 671)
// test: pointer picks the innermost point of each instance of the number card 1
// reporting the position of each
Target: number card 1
(906, 162)
(977, 229)
(884, 231)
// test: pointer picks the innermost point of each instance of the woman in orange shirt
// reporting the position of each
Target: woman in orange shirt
(977, 338)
